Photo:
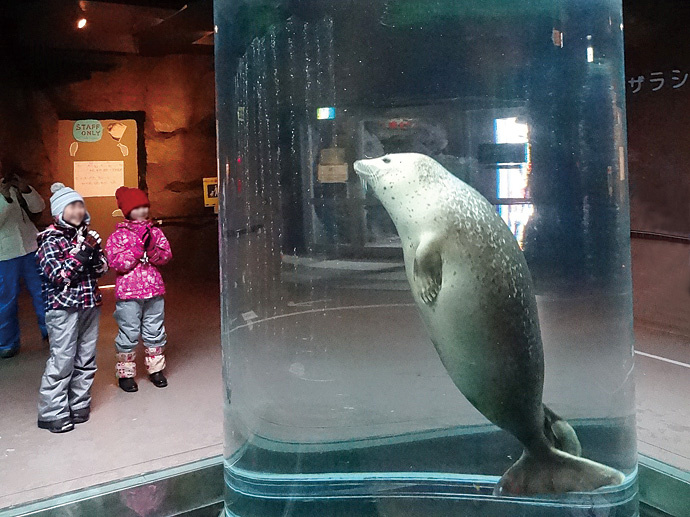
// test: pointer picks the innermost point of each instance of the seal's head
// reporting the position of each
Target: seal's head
(394, 174)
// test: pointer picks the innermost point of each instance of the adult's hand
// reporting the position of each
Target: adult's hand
(5, 188)
(21, 184)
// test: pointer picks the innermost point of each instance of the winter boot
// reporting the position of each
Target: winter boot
(63, 425)
(126, 371)
(128, 384)
(158, 380)
(79, 416)
(155, 363)
(6, 353)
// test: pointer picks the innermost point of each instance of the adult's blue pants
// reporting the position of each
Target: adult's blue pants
(12, 272)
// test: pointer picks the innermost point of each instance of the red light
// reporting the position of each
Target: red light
(239, 159)
(400, 124)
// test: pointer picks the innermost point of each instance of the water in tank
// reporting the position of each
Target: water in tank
(425, 267)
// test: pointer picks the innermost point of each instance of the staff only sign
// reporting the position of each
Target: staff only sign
(87, 131)
(91, 131)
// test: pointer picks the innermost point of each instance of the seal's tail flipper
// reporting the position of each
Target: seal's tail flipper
(561, 435)
(554, 473)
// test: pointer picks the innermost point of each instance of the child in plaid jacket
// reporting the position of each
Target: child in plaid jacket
(70, 261)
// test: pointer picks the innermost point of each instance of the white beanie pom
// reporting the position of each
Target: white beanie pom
(62, 196)
(56, 186)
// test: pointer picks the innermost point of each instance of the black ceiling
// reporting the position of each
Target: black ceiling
(39, 40)
(163, 4)
(40, 43)
(147, 27)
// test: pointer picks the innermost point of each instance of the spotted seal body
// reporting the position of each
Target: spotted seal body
(474, 291)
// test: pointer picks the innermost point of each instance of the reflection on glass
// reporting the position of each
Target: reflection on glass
(512, 178)
(337, 400)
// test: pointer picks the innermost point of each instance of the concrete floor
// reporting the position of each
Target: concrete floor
(131, 434)
(661, 279)
(663, 412)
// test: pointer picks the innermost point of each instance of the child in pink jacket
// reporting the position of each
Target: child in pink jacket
(135, 250)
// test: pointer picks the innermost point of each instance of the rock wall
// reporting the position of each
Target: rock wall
(25, 133)
(177, 94)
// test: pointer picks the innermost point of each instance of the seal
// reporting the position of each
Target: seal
(473, 289)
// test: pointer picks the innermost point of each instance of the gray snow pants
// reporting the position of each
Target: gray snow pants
(140, 317)
(71, 367)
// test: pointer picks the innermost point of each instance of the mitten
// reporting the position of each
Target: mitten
(89, 247)
(147, 238)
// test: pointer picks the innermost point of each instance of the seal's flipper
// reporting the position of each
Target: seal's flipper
(561, 435)
(428, 269)
(555, 473)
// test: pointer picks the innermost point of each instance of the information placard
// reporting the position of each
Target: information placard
(98, 178)
(333, 173)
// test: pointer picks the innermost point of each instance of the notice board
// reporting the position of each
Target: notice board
(98, 178)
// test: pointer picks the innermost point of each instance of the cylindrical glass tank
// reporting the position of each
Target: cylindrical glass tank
(387, 330)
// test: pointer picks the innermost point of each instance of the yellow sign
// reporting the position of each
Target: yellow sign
(211, 192)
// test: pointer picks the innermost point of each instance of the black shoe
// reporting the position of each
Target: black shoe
(62, 425)
(158, 380)
(6, 353)
(79, 416)
(129, 385)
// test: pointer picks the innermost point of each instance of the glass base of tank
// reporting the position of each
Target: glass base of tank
(196, 489)
(266, 478)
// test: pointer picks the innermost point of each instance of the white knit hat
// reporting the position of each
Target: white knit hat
(62, 196)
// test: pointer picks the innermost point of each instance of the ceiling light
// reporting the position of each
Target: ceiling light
(81, 23)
